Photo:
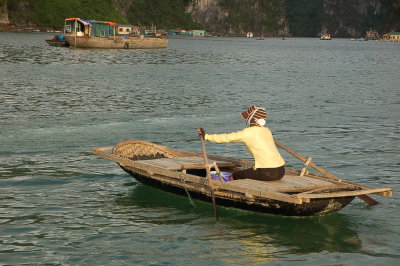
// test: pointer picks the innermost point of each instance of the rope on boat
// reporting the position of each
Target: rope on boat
(306, 167)
(187, 192)
(214, 164)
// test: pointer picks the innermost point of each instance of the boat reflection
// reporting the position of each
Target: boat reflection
(261, 237)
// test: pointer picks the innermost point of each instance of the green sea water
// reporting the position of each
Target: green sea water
(337, 101)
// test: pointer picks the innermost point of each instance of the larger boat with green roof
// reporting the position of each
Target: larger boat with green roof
(80, 33)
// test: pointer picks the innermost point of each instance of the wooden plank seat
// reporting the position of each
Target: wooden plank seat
(286, 184)
(182, 163)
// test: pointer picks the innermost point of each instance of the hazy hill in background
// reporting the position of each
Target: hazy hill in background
(341, 18)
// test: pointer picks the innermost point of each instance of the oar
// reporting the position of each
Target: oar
(208, 175)
(370, 201)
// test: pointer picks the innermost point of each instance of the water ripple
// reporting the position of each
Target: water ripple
(336, 101)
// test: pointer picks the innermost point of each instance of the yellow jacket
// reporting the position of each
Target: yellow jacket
(258, 141)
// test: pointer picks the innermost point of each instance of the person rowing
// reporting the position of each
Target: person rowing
(268, 162)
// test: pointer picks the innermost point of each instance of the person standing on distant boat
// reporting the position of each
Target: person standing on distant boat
(268, 163)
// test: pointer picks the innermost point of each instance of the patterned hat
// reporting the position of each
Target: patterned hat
(253, 113)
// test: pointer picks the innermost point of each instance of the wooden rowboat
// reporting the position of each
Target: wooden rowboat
(298, 193)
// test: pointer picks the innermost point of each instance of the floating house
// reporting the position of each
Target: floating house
(198, 33)
(392, 37)
(178, 32)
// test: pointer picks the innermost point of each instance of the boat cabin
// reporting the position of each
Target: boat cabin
(127, 30)
(81, 27)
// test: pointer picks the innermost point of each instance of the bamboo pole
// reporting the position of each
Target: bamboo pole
(208, 175)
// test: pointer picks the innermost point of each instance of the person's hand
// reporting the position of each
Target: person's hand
(201, 132)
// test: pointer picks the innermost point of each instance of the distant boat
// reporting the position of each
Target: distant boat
(371, 35)
(326, 37)
(261, 37)
(249, 35)
(57, 40)
(80, 33)
(359, 39)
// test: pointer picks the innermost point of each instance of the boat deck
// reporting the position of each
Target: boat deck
(289, 183)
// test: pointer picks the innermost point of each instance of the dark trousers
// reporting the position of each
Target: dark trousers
(263, 174)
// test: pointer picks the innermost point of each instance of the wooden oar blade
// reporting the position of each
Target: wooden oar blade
(370, 201)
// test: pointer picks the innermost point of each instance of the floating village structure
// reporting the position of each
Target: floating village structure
(80, 33)
(325, 37)
(181, 32)
(392, 37)
(373, 35)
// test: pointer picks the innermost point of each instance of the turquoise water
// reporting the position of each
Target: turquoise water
(336, 101)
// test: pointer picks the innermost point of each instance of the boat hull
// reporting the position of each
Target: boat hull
(57, 43)
(314, 207)
(115, 42)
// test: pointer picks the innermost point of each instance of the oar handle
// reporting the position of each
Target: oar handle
(203, 148)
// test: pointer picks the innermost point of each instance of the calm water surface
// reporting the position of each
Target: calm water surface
(337, 101)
